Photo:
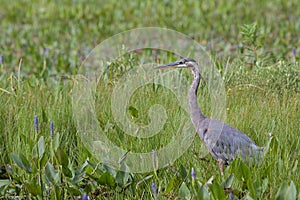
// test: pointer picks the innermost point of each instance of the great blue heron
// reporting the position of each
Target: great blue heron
(224, 142)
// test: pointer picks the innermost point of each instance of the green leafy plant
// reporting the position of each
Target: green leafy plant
(259, 62)
(253, 53)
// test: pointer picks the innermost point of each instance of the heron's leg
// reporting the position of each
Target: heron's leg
(221, 165)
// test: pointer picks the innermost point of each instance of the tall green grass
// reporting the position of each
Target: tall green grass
(259, 68)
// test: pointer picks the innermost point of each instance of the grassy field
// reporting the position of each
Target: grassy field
(254, 44)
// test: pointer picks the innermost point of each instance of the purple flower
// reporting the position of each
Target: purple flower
(154, 190)
(1, 59)
(193, 173)
(84, 197)
(231, 196)
(51, 129)
(36, 123)
(294, 52)
(45, 51)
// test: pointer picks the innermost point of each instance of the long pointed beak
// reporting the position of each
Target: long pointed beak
(171, 65)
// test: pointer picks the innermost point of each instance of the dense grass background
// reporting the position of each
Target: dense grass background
(255, 45)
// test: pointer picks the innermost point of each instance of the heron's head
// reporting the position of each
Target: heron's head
(182, 63)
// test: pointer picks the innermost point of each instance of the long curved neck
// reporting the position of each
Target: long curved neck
(196, 114)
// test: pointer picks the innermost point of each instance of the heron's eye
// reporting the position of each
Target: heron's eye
(181, 62)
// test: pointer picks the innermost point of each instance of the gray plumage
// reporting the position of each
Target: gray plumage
(224, 142)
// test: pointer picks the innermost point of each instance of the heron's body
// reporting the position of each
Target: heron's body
(224, 142)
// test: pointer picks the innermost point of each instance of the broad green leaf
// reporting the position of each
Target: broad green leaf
(109, 169)
(3, 188)
(107, 179)
(51, 174)
(55, 141)
(240, 170)
(34, 151)
(82, 167)
(183, 172)
(292, 191)
(122, 177)
(25, 163)
(78, 177)
(43, 160)
(282, 192)
(33, 188)
(62, 157)
(227, 183)
(4, 182)
(67, 171)
(74, 191)
(245, 171)
(286, 191)
(184, 192)
(203, 193)
(17, 160)
(170, 185)
(217, 191)
(41, 147)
